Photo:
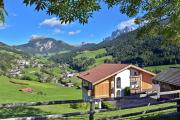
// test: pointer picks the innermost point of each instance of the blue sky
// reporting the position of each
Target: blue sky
(24, 23)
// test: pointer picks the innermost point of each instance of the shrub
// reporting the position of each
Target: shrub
(107, 105)
(41, 93)
(127, 91)
(79, 105)
(108, 61)
(25, 77)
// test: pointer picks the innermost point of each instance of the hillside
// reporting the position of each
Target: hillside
(44, 46)
(148, 51)
(9, 57)
(157, 69)
(41, 91)
(122, 47)
(127, 48)
(82, 60)
(99, 56)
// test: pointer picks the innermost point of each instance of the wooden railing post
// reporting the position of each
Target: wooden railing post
(158, 96)
(178, 103)
(92, 109)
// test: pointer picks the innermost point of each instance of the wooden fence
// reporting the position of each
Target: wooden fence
(92, 110)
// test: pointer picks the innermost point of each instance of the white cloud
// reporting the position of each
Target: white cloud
(53, 22)
(128, 23)
(74, 32)
(37, 37)
(58, 31)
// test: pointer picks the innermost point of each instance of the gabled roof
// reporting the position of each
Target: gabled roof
(170, 76)
(104, 71)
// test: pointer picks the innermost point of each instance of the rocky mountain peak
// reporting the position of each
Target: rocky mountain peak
(118, 32)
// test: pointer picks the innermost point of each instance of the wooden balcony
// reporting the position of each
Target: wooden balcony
(135, 82)
(135, 78)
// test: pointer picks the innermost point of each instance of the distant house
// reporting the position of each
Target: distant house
(69, 84)
(14, 72)
(110, 80)
(168, 80)
(40, 65)
(23, 62)
(70, 75)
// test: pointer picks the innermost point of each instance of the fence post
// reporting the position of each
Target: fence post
(158, 95)
(178, 103)
(92, 109)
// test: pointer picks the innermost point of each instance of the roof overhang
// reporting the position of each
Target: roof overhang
(129, 66)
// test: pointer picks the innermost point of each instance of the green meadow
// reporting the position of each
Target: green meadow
(9, 92)
(92, 54)
(161, 67)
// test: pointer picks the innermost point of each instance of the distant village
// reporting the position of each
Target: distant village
(21, 64)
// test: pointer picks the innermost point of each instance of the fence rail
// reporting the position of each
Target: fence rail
(139, 113)
(169, 92)
(45, 117)
(92, 110)
(12, 105)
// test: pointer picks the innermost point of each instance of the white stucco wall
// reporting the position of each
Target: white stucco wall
(125, 81)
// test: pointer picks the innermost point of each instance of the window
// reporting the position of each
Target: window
(135, 73)
(118, 82)
(118, 93)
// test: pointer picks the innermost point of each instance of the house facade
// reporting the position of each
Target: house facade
(110, 80)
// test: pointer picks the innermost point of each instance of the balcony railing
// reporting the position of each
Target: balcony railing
(135, 82)
(135, 78)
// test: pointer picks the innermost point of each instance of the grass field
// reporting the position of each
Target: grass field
(161, 67)
(60, 109)
(9, 92)
(92, 54)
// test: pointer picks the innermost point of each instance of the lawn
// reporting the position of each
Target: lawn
(60, 109)
(9, 92)
(161, 67)
(138, 109)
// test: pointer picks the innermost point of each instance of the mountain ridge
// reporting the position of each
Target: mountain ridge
(44, 46)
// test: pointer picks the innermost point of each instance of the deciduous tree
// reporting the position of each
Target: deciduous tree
(157, 17)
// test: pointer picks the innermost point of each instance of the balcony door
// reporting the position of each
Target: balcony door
(118, 93)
